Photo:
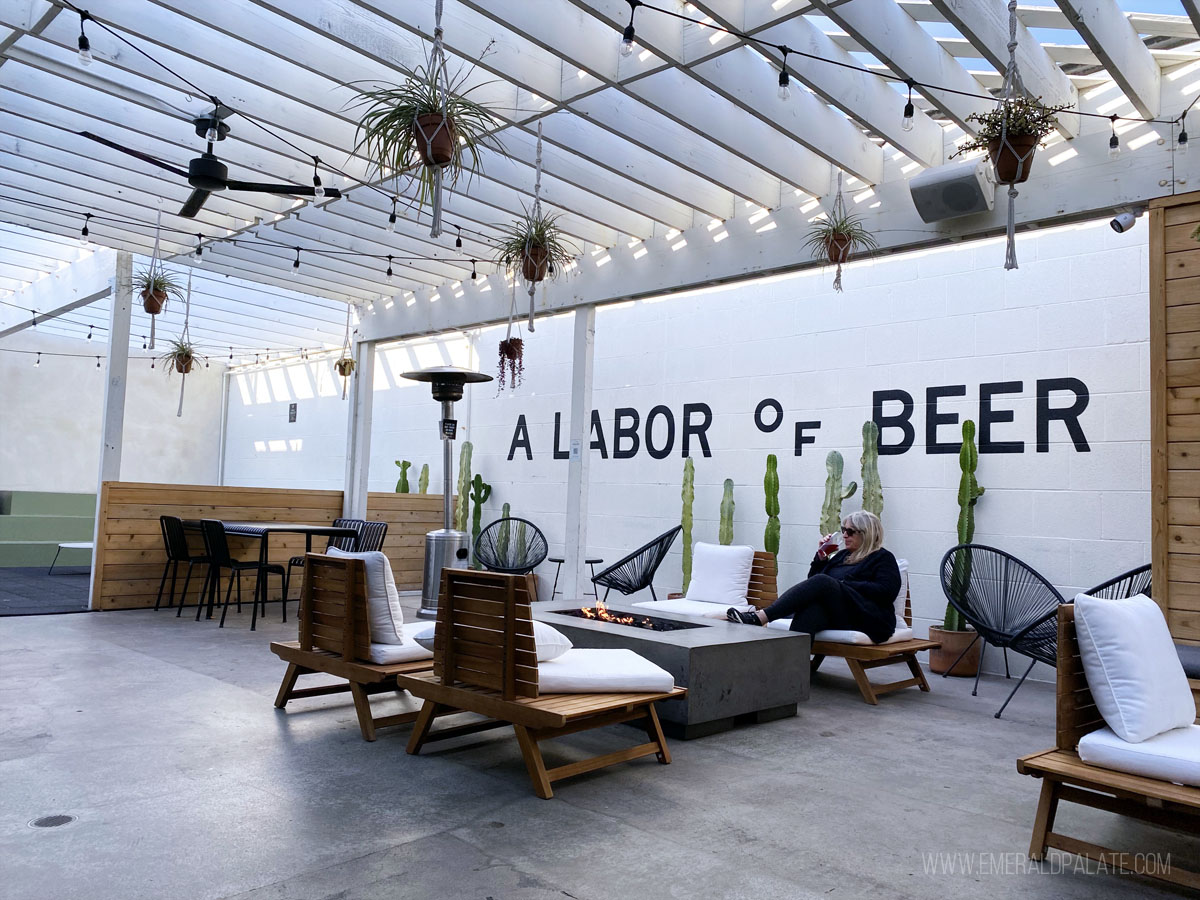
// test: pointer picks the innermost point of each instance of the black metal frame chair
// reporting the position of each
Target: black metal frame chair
(1128, 584)
(497, 545)
(216, 546)
(1008, 603)
(636, 571)
(176, 544)
(370, 537)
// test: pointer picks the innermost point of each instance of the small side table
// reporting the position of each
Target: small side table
(560, 560)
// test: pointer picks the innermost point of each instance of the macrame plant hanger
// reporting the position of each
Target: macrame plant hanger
(1013, 85)
(156, 268)
(346, 354)
(184, 338)
(836, 214)
(437, 69)
(537, 212)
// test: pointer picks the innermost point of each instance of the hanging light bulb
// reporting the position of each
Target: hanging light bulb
(89, 334)
(37, 362)
(144, 342)
(296, 262)
(199, 251)
(909, 111)
(318, 188)
(391, 225)
(1114, 143)
(473, 273)
(628, 35)
(85, 46)
(1181, 142)
(458, 240)
(212, 135)
(785, 90)
(389, 270)
(97, 362)
(84, 240)
(231, 354)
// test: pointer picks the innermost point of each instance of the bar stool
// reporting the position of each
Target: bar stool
(560, 560)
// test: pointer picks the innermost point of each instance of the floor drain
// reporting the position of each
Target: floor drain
(52, 821)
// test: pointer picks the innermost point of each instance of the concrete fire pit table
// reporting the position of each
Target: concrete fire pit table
(731, 671)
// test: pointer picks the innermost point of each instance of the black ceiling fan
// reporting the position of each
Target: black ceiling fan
(207, 174)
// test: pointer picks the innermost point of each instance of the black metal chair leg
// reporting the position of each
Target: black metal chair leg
(54, 562)
(554, 589)
(960, 656)
(238, 575)
(1019, 683)
(258, 588)
(205, 594)
(606, 593)
(174, 580)
(1006, 672)
(286, 577)
(162, 584)
(186, 582)
(652, 594)
(979, 671)
(229, 590)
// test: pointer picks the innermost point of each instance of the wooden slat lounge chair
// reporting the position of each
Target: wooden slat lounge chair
(1066, 777)
(335, 639)
(762, 593)
(485, 662)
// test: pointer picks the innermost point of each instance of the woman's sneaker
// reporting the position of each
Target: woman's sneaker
(733, 614)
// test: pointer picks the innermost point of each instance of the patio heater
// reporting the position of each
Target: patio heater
(444, 548)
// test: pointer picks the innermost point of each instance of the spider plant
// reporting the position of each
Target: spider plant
(536, 244)
(401, 127)
(154, 287)
(839, 235)
(180, 357)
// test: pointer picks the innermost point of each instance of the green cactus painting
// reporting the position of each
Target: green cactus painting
(480, 491)
(689, 495)
(872, 490)
(423, 481)
(969, 493)
(831, 511)
(464, 485)
(402, 484)
(725, 533)
(771, 490)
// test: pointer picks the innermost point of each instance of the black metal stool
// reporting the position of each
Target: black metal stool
(560, 560)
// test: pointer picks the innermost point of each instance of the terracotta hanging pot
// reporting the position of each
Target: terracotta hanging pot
(183, 364)
(535, 264)
(345, 366)
(953, 644)
(152, 301)
(1007, 157)
(435, 141)
(837, 248)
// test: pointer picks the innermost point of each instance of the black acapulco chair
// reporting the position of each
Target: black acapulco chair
(1128, 584)
(636, 571)
(1008, 604)
(513, 546)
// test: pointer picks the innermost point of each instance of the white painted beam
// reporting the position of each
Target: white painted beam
(358, 432)
(60, 292)
(578, 459)
(1108, 33)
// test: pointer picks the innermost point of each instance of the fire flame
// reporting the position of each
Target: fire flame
(600, 613)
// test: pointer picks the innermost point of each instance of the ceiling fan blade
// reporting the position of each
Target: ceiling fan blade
(193, 203)
(137, 154)
(298, 190)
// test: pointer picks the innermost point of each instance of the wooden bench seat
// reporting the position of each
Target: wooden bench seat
(1066, 777)
(485, 662)
(335, 639)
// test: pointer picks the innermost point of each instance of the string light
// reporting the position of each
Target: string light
(318, 188)
(785, 91)
(89, 334)
(458, 240)
(1181, 142)
(83, 232)
(85, 46)
(391, 225)
(231, 353)
(199, 251)
(628, 35)
(37, 362)
(473, 274)
(97, 362)
(389, 270)
(296, 262)
(909, 110)
(144, 345)
(213, 134)
(1114, 143)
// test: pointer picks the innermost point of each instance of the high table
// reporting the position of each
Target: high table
(263, 531)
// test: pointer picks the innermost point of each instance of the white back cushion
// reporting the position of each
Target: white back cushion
(383, 600)
(721, 574)
(1131, 666)
(548, 640)
(902, 597)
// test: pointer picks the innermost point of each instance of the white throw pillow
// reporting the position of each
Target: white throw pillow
(721, 574)
(549, 641)
(902, 597)
(1131, 665)
(383, 600)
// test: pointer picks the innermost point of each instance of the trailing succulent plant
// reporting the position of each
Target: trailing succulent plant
(969, 493)
(725, 533)
(771, 490)
(689, 495)
(423, 481)
(402, 484)
(872, 489)
(512, 363)
(464, 485)
(831, 511)
(480, 491)
(1023, 115)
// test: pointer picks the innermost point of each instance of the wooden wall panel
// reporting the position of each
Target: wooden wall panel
(1175, 410)
(129, 555)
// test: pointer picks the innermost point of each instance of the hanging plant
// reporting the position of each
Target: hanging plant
(345, 366)
(425, 124)
(1011, 134)
(155, 287)
(180, 357)
(837, 237)
(534, 244)
(512, 363)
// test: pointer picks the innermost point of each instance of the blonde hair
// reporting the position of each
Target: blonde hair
(868, 525)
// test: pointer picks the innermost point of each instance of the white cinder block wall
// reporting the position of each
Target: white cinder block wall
(1076, 309)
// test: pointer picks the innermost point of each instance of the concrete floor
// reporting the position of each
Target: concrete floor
(159, 734)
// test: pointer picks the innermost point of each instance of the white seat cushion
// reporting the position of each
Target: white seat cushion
(408, 651)
(845, 637)
(1170, 756)
(549, 642)
(383, 600)
(689, 607)
(720, 574)
(581, 671)
(1131, 665)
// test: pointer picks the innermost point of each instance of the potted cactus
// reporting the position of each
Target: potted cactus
(725, 531)
(1011, 134)
(771, 489)
(831, 510)
(955, 634)
(402, 484)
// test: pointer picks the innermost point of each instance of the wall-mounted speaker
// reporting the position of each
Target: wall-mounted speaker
(956, 189)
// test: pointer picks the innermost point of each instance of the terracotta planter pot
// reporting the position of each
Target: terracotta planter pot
(184, 366)
(837, 248)
(152, 301)
(536, 264)
(1007, 158)
(953, 643)
(345, 367)
(434, 141)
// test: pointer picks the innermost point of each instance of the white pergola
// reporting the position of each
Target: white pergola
(675, 167)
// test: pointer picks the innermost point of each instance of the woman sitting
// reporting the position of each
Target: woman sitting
(852, 589)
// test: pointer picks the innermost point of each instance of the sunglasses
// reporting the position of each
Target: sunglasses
(850, 532)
